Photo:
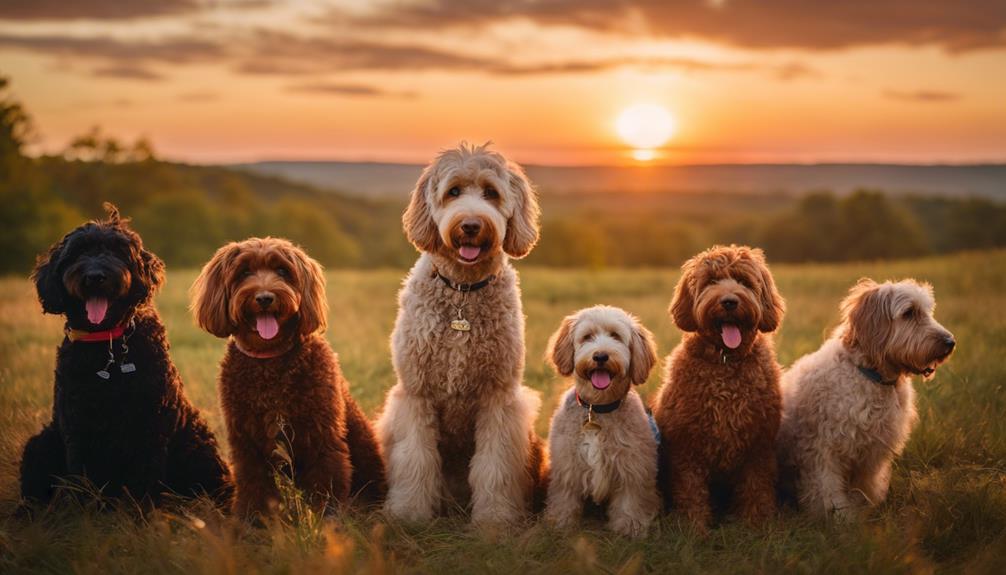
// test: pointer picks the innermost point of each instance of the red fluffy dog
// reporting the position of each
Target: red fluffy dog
(719, 408)
(280, 382)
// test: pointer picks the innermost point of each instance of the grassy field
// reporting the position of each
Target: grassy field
(946, 510)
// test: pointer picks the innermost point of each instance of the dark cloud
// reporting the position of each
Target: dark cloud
(928, 96)
(954, 25)
(127, 72)
(273, 53)
(94, 9)
(169, 50)
(277, 52)
(339, 89)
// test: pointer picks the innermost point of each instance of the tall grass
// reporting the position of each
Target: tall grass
(946, 511)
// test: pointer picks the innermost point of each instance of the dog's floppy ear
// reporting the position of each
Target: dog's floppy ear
(313, 303)
(522, 227)
(152, 270)
(417, 221)
(773, 307)
(560, 347)
(866, 319)
(643, 353)
(210, 292)
(683, 303)
(48, 281)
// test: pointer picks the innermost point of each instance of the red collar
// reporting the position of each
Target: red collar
(96, 336)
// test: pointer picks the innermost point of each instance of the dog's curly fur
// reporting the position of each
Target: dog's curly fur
(284, 389)
(134, 433)
(457, 427)
(616, 464)
(719, 408)
(841, 429)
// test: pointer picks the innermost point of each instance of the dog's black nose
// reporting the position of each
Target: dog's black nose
(471, 227)
(265, 300)
(95, 278)
(729, 303)
(950, 343)
(600, 357)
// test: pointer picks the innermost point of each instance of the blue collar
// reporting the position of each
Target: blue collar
(874, 376)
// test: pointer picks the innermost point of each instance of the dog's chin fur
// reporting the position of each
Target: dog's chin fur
(616, 390)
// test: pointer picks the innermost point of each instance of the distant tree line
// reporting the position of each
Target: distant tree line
(185, 212)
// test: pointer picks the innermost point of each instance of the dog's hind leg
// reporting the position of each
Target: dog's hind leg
(368, 479)
(408, 433)
(42, 464)
(195, 466)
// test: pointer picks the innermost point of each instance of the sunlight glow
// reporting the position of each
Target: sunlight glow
(642, 155)
(645, 126)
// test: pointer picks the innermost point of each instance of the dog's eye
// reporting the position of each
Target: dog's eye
(454, 192)
(586, 338)
(615, 336)
(245, 272)
(490, 193)
(282, 272)
(909, 313)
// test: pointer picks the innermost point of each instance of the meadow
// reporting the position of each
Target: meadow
(946, 511)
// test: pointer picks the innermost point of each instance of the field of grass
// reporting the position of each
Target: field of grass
(946, 510)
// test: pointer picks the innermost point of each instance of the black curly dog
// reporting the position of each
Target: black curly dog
(120, 417)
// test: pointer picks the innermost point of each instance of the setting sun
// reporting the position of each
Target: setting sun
(645, 127)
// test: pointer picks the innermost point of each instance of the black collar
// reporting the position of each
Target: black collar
(465, 288)
(874, 376)
(598, 408)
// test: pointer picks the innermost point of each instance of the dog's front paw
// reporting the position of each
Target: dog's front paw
(563, 520)
(629, 526)
(401, 509)
(496, 516)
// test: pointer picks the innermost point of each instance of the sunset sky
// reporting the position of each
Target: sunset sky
(743, 80)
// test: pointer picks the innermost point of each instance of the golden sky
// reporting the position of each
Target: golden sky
(744, 80)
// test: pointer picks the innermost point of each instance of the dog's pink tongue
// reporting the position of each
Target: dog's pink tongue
(96, 308)
(266, 326)
(600, 379)
(469, 252)
(731, 335)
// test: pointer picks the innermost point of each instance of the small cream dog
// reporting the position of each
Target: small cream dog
(601, 442)
(849, 407)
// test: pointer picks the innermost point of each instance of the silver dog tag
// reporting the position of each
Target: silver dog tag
(103, 374)
(127, 367)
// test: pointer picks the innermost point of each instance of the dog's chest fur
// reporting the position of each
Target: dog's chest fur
(267, 397)
(448, 366)
(722, 408)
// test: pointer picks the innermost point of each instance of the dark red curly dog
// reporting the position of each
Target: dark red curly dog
(719, 408)
(280, 381)
(120, 418)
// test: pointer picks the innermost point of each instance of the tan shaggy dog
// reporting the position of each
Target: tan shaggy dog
(849, 407)
(457, 427)
(600, 443)
(719, 408)
(280, 383)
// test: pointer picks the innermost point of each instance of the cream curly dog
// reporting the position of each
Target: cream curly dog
(849, 407)
(601, 444)
(457, 427)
